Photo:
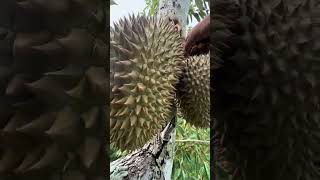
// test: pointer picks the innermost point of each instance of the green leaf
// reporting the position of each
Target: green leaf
(202, 14)
(199, 4)
(207, 170)
(194, 136)
(196, 15)
(178, 172)
(190, 157)
(183, 175)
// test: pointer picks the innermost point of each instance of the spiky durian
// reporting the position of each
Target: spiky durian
(53, 88)
(194, 90)
(267, 89)
(146, 54)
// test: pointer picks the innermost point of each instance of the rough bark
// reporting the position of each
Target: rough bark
(148, 162)
(155, 159)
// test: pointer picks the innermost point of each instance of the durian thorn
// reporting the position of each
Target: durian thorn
(125, 89)
(114, 88)
(152, 81)
(133, 74)
(135, 60)
(142, 121)
(138, 132)
(124, 111)
(138, 109)
(148, 124)
(117, 126)
(125, 63)
(129, 139)
(141, 87)
(138, 99)
(133, 120)
(121, 101)
(160, 101)
(134, 90)
(126, 76)
(143, 33)
(144, 58)
(117, 114)
(135, 46)
(145, 99)
(123, 50)
(112, 123)
(125, 125)
(130, 100)
(136, 36)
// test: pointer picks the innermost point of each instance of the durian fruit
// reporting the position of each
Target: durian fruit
(266, 103)
(53, 89)
(194, 90)
(146, 56)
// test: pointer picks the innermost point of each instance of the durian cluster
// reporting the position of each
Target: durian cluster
(147, 61)
(52, 84)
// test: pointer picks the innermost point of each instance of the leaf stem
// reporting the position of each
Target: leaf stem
(193, 140)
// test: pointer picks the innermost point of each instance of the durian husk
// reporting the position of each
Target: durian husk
(267, 89)
(146, 57)
(53, 89)
(193, 91)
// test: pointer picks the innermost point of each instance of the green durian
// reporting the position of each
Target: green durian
(146, 57)
(53, 89)
(193, 90)
(266, 92)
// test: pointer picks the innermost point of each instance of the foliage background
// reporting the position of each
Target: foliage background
(198, 9)
(192, 159)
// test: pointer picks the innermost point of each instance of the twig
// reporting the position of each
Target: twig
(194, 140)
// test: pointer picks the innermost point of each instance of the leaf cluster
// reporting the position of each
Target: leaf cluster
(192, 157)
(198, 9)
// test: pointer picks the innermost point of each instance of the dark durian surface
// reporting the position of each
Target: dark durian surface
(53, 80)
(266, 97)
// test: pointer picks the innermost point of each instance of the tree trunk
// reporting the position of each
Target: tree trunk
(155, 159)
